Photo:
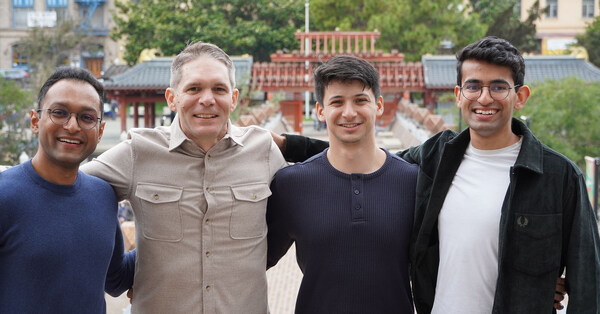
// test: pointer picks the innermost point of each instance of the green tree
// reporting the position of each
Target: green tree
(237, 26)
(413, 28)
(503, 19)
(565, 116)
(590, 40)
(48, 48)
(15, 104)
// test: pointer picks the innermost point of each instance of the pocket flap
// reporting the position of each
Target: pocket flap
(157, 193)
(251, 192)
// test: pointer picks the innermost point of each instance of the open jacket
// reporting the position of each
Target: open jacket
(547, 224)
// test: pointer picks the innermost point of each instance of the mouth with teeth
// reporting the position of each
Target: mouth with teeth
(69, 141)
(205, 116)
(485, 112)
(349, 125)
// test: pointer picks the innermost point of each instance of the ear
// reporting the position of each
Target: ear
(457, 95)
(234, 99)
(170, 97)
(380, 106)
(35, 121)
(101, 130)
(522, 96)
(320, 114)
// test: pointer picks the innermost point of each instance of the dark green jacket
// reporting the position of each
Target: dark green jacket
(547, 224)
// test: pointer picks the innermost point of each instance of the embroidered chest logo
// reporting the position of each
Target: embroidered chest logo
(522, 221)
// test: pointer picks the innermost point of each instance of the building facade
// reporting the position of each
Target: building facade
(93, 16)
(564, 19)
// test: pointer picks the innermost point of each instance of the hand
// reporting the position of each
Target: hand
(279, 140)
(559, 295)
(130, 294)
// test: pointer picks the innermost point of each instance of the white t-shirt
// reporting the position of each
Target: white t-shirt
(468, 231)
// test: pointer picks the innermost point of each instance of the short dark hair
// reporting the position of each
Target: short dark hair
(345, 69)
(496, 51)
(69, 73)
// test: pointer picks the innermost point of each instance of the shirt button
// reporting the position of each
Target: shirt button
(207, 254)
(357, 207)
(207, 189)
(208, 156)
(356, 192)
(207, 221)
(156, 197)
(207, 288)
(253, 196)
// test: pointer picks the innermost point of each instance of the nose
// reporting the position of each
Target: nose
(72, 124)
(349, 111)
(207, 98)
(486, 96)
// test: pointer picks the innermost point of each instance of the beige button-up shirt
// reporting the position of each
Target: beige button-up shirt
(200, 217)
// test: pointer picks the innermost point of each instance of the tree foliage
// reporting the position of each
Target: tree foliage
(565, 116)
(237, 26)
(15, 104)
(590, 40)
(503, 19)
(413, 28)
(48, 48)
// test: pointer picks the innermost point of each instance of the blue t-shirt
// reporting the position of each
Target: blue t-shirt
(61, 246)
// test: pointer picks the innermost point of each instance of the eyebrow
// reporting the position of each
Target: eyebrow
(363, 94)
(58, 103)
(481, 82)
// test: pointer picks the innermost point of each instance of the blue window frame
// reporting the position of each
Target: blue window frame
(22, 3)
(57, 3)
(20, 10)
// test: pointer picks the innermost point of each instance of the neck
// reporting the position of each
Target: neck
(54, 173)
(493, 142)
(355, 158)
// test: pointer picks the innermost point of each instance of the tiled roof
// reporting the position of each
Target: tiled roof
(440, 71)
(155, 74)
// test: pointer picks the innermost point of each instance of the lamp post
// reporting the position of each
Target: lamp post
(306, 63)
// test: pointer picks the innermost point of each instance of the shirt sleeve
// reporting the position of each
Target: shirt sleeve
(278, 237)
(300, 148)
(114, 166)
(121, 270)
(583, 254)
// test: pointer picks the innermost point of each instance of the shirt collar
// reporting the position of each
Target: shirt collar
(178, 137)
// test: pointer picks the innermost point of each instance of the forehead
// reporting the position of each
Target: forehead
(72, 93)
(346, 88)
(205, 69)
(475, 70)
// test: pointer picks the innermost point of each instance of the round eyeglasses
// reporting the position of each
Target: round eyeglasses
(85, 120)
(498, 91)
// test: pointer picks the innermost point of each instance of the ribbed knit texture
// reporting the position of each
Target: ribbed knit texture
(59, 244)
(352, 234)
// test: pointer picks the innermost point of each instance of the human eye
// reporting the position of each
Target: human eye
(192, 89)
(87, 118)
(499, 87)
(472, 87)
(59, 113)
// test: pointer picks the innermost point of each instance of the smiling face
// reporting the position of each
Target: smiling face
(489, 120)
(203, 99)
(350, 111)
(66, 146)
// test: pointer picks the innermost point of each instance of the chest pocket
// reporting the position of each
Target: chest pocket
(159, 215)
(248, 211)
(537, 242)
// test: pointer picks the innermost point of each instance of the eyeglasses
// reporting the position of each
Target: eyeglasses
(85, 120)
(498, 91)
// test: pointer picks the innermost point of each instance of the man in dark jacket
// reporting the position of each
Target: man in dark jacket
(499, 216)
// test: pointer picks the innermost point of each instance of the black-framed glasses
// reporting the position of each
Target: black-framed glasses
(85, 120)
(498, 91)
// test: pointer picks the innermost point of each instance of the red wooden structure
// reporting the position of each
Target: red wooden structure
(293, 72)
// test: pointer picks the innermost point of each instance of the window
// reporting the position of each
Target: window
(19, 59)
(60, 7)
(93, 17)
(587, 8)
(552, 8)
(21, 9)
